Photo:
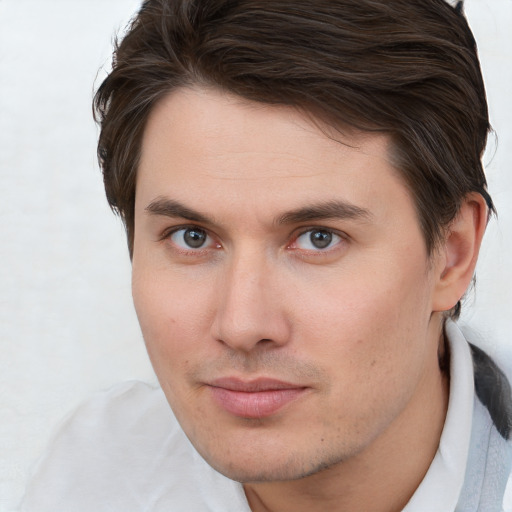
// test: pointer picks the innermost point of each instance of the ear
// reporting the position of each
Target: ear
(458, 253)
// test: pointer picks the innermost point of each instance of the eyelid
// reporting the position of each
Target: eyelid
(343, 237)
(166, 235)
(215, 244)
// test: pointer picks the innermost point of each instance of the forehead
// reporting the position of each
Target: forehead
(219, 150)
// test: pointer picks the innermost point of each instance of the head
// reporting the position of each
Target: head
(295, 182)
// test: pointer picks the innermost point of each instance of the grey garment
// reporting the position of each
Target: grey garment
(493, 390)
(490, 451)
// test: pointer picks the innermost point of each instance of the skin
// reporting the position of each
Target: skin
(355, 325)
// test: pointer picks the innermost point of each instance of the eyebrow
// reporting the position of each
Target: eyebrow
(171, 208)
(327, 210)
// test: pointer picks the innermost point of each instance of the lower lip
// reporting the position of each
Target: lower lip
(253, 405)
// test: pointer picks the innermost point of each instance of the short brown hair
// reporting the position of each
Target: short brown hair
(408, 68)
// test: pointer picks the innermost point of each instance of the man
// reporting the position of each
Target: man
(304, 200)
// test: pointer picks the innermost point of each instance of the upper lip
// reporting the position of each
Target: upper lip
(252, 386)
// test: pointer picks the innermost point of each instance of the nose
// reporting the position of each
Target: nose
(250, 305)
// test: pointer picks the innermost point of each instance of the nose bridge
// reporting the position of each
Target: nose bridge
(248, 303)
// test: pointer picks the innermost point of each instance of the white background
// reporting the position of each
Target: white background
(67, 326)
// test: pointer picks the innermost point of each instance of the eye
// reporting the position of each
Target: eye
(191, 238)
(316, 240)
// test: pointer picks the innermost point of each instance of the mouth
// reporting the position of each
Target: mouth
(255, 399)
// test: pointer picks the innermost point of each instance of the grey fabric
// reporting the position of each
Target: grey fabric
(493, 390)
(490, 452)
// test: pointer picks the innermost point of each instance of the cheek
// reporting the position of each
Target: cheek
(370, 322)
(173, 317)
(366, 336)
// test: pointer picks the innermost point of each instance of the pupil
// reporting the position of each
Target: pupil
(321, 239)
(194, 238)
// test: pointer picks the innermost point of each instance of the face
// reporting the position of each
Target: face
(281, 282)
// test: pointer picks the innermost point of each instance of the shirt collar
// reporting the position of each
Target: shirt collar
(441, 487)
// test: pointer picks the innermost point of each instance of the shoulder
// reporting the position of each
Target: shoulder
(106, 452)
(489, 461)
(124, 450)
(113, 424)
(123, 411)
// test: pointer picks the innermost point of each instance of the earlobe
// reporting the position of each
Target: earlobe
(459, 252)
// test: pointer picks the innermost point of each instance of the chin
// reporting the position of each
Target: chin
(256, 465)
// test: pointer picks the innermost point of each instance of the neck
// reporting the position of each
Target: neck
(383, 476)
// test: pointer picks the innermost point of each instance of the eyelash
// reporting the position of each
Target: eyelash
(168, 234)
(339, 238)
